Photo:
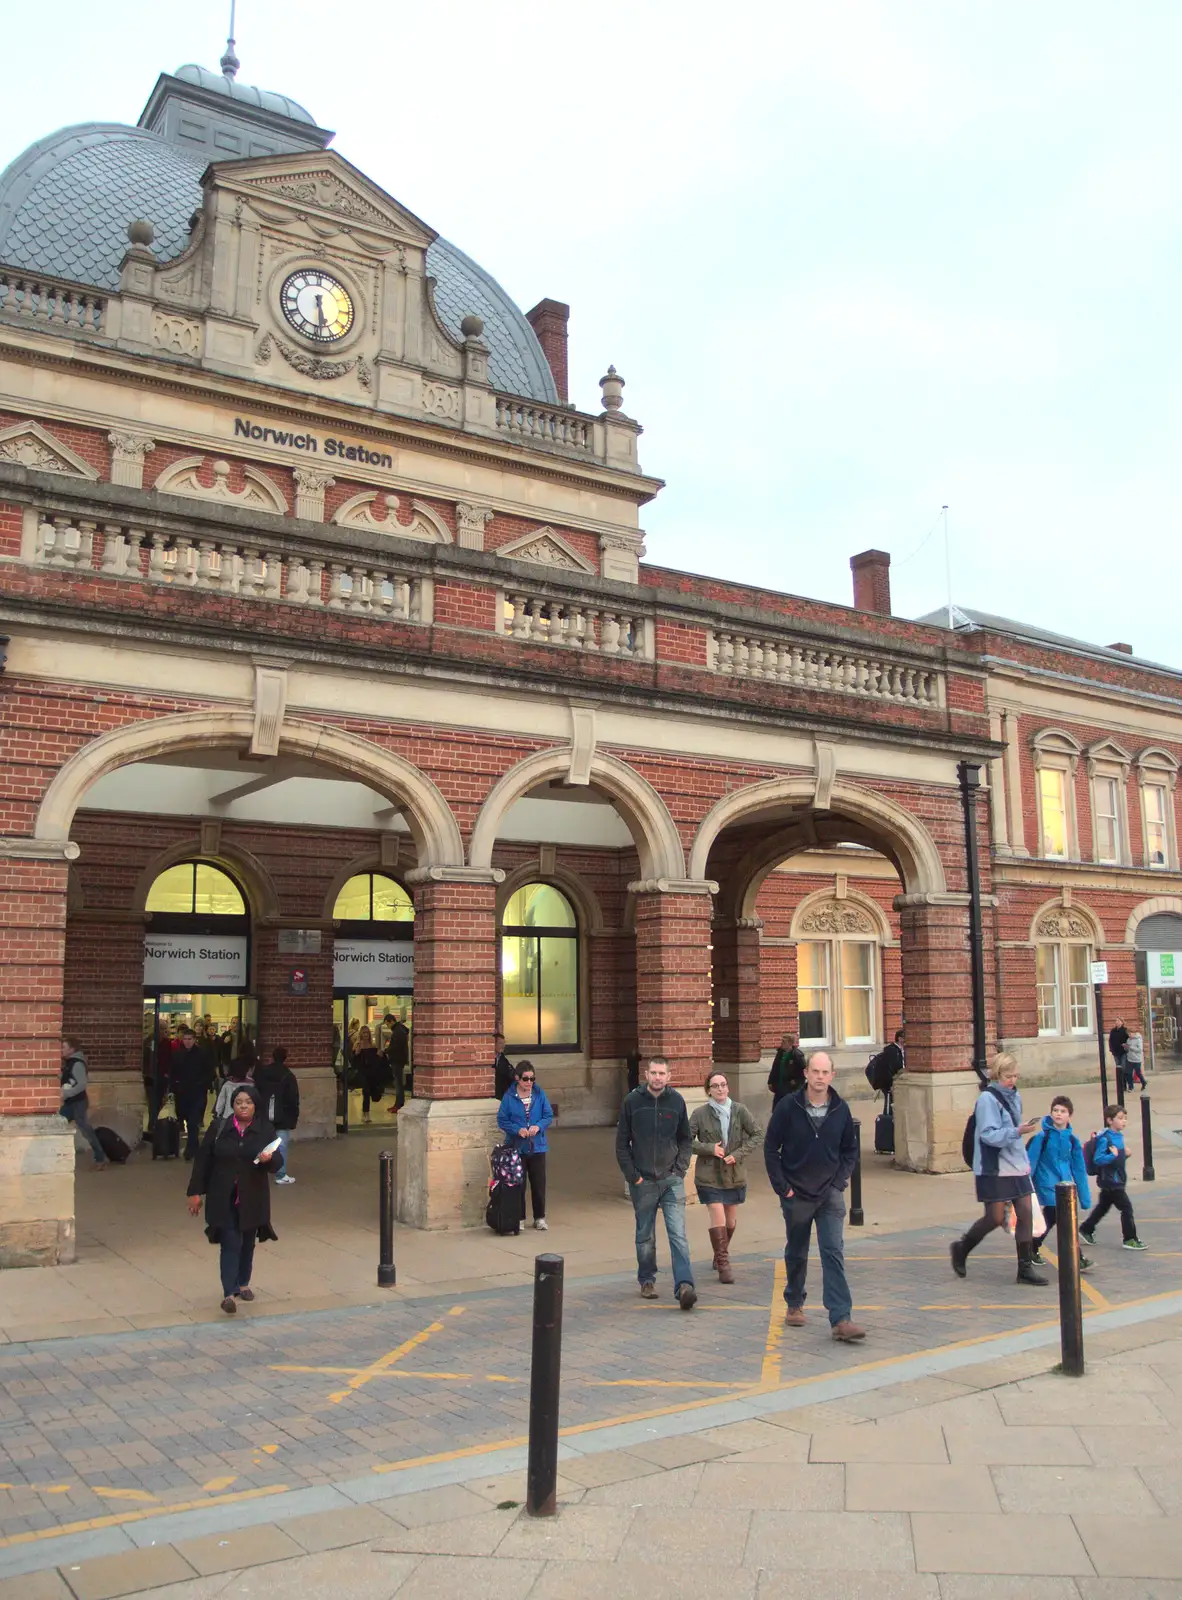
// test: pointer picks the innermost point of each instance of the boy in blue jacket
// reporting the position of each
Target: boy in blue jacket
(1111, 1178)
(1056, 1156)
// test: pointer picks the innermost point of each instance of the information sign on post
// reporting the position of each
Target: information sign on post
(1099, 979)
(1099, 972)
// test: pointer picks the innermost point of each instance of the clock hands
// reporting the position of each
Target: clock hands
(321, 319)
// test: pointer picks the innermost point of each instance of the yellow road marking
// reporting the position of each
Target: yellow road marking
(215, 1484)
(770, 1372)
(660, 1383)
(1090, 1292)
(268, 1449)
(118, 1518)
(124, 1494)
(383, 1363)
(40, 1488)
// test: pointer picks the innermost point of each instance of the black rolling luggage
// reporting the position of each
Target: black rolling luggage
(884, 1127)
(114, 1148)
(166, 1139)
(506, 1191)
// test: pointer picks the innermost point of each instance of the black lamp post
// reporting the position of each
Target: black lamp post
(969, 773)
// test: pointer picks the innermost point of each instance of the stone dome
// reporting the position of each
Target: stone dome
(65, 204)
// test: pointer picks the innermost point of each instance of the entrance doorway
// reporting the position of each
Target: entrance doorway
(373, 922)
(227, 1026)
(351, 1013)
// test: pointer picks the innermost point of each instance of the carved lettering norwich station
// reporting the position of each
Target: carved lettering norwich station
(244, 428)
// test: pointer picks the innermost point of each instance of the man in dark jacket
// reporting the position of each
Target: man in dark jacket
(279, 1094)
(504, 1072)
(1118, 1044)
(191, 1080)
(653, 1148)
(787, 1074)
(810, 1150)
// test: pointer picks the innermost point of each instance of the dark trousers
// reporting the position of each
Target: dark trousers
(535, 1171)
(1108, 1199)
(237, 1258)
(75, 1111)
(190, 1113)
(829, 1216)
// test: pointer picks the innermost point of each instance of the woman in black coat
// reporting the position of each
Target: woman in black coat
(372, 1068)
(231, 1171)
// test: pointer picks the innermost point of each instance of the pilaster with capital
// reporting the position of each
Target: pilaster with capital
(310, 484)
(128, 450)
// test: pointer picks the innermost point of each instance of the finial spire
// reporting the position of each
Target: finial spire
(230, 62)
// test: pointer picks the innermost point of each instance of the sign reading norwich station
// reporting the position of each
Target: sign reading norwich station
(212, 963)
(310, 444)
(373, 966)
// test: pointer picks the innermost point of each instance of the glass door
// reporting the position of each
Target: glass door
(358, 1020)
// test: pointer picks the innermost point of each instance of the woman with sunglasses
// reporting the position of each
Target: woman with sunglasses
(523, 1118)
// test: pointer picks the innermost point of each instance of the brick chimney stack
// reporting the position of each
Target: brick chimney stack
(548, 319)
(872, 581)
(1125, 649)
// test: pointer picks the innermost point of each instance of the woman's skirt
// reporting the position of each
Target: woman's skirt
(708, 1195)
(1004, 1188)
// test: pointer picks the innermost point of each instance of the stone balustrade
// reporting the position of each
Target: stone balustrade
(538, 424)
(240, 567)
(828, 671)
(575, 625)
(51, 302)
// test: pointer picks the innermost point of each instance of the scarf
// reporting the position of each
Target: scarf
(723, 1108)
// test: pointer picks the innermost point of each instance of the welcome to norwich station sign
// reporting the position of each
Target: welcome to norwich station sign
(309, 444)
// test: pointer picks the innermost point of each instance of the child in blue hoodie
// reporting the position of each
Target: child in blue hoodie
(1111, 1179)
(1056, 1156)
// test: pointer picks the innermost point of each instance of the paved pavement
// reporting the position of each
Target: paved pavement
(137, 1424)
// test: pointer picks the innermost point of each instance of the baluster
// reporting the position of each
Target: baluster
(909, 683)
(755, 659)
(296, 581)
(894, 682)
(592, 619)
(73, 311)
(315, 586)
(26, 288)
(184, 571)
(336, 592)
(568, 631)
(156, 571)
(724, 653)
(272, 575)
(207, 573)
(742, 655)
(251, 582)
(521, 621)
(112, 563)
(359, 592)
(55, 308)
(610, 634)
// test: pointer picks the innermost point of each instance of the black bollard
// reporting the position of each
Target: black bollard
(857, 1215)
(387, 1276)
(1070, 1298)
(541, 1479)
(1147, 1172)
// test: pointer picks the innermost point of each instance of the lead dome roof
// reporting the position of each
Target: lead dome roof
(66, 201)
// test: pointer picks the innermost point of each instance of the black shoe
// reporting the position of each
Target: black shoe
(1026, 1272)
(960, 1257)
(1087, 1236)
(1037, 1258)
(687, 1297)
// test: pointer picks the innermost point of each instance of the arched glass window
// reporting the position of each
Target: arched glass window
(540, 970)
(194, 888)
(372, 897)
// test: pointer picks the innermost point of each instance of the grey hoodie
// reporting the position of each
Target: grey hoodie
(73, 1080)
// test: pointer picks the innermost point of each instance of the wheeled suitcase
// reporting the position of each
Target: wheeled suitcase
(166, 1139)
(884, 1134)
(114, 1148)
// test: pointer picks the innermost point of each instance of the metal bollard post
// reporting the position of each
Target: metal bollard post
(541, 1479)
(1147, 1172)
(1120, 1084)
(386, 1273)
(857, 1215)
(1070, 1298)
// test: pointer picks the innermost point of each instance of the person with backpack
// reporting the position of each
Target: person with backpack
(523, 1117)
(279, 1091)
(231, 1172)
(75, 1099)
(1001, 1167)
(787, 1074)
(1056, 1156)
(1107, 1160)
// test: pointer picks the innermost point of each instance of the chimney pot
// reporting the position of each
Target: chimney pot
(1125, 649)
(549, 320)
(872, 581)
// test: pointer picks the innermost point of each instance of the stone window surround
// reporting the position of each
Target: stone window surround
(1157, 768)
(834, 917)
(1106, 759)
(1065, 928)
(1057, 751)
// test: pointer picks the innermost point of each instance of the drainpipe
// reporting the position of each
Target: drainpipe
(970, 782)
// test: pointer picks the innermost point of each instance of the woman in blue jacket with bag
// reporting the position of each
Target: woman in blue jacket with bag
(523, 1118)
(1056, 1156)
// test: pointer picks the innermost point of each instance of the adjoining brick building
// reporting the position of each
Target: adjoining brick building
(331, 651)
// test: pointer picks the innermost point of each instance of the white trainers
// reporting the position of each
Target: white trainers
(542, 1225)
(285, 1179)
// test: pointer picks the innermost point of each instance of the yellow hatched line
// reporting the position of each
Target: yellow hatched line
(1090, 1292)
(769, 1375)
(379, 1367)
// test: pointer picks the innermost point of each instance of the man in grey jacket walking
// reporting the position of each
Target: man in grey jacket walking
(74, 1097)
(653, 1148)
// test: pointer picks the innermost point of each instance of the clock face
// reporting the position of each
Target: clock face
(317, 306)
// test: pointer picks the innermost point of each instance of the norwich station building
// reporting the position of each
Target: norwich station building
(337, 685)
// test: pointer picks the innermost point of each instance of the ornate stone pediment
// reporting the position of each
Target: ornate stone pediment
(1064, 925)
(836, 916)
(28, 444)
(259, 492)
(547, 549)
(323, 185)
(361, 511)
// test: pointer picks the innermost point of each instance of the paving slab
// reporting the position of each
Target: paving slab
(725, 1486)
(776, 1583)
(332, 1530)
(996, 1445)
(922, 1487)
(992, 1586)
(1133, 1547)
(463, 1536)
(670, 1537)
(445, 1577)
(809, 1541)
(244, 1547)
(1076, 1491)
(891, 1442)
(47, 1585)
(579, 1533)
(130, 1572)
(1026, 1545)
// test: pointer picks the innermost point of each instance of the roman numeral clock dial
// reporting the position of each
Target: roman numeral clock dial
(317, 305)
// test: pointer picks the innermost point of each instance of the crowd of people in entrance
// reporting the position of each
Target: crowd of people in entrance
(375, 1060)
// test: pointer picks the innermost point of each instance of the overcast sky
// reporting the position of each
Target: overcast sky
(855, 261)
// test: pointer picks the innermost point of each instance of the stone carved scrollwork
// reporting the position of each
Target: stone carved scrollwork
(28, 444)
(127, 457)
(1063, 925)
(833, 917)
(312, 366)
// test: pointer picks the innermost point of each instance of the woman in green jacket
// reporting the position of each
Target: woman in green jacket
(724, 1134)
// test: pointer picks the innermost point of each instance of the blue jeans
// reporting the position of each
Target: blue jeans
(279, 1167)
(667, 1195)
(75, 1111)
(237, 1259)
(829, 1215)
